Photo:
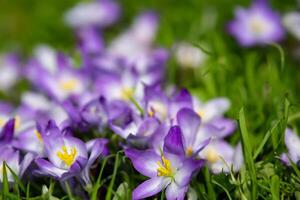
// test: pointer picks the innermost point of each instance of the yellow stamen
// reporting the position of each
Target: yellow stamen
(127, 93)
(67, 157)
(189, 151)
(164, 168)
(151, 113)
(2, 122)
(17, 122)
(38, 135)
(200, 113)
(257, 26)
(212, 156)
(68, 85)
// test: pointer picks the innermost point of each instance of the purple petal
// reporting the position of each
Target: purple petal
(28, 158)
(183, 176)
(225, 126)
(173, 141)
(189, 122)
(174, 192)
(48, 169)
(150, 188)
(7, 132)
(144, 162)
(180, 100)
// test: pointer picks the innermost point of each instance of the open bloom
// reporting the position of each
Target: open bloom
(222, 157)
(165, 170)
(53, 73)
(67, 156)
(212, 113)
(257, 25)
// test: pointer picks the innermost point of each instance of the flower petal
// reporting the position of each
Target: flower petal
(174, 192)
(183, 176)
(150, 187)
(48, 169)
(173, 141)
(189, 122)
(144, 162)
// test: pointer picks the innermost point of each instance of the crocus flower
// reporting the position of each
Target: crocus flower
(13, 160)
(10, 71)
(291, 21)
(165, 107)
(99, 13)
(292, 142)
(166, 171)
(257, 25)
(53, 73)
(115, 86)
(222, 157)
(66, 155)
(138, 39)
(189, 56)
(212, 113)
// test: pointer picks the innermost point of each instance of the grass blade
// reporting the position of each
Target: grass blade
(247, 150)
(111, 184)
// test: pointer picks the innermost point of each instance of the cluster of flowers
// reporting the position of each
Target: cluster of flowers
(169, 135)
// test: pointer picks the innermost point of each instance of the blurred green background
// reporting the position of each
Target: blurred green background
(25, 23)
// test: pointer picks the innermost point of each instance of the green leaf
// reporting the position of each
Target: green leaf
(98, 182)
(111, 184)
(275, 187)
(247, 151)
(5, 184)
(210, 189)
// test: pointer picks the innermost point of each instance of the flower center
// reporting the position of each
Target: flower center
(200, 113)
(257, 26)
(157, 107)
(69, 84)
(17, 122)
(212, 156)
(2, 122)
(126, 93)
(164, 168)
(38, 135)
(68, 157)
(189, 151)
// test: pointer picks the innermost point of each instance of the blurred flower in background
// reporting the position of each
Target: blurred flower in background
(188, 55)
(256, 25)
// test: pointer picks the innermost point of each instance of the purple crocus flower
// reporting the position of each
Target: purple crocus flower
(292, 142)
(10, 71)
(115, 86)
(100, 13)
(67, 156)
(212, 113)
(166, 171)
(53, 73)
(138, 39)
(12, 159)
(222, 157)
(257, 25)
(163, 107)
